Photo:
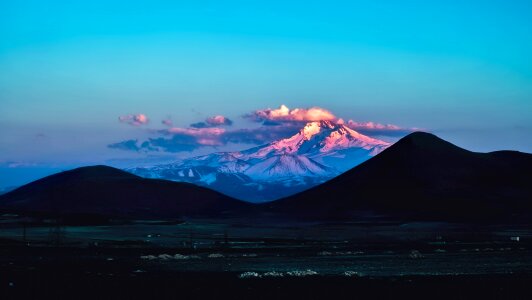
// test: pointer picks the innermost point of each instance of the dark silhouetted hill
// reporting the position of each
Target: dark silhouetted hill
(423, 177)
(109, 191)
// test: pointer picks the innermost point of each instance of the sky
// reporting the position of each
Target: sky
(91, 82)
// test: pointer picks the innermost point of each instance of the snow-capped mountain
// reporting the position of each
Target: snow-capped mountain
(318, 152)
(326, 143)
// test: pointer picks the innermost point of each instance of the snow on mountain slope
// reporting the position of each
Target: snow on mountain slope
(320, 138)
(281, 166)
(318, 152)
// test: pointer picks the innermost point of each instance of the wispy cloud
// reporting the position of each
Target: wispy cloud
(371, 125)
(188, 139)
(173, 144)
(275, 124)
(203, 136)
(130, 145)
(260, 135)
(377, 129)
(213, 122)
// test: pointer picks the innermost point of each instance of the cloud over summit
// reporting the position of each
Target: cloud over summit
(275, 124)
(283, 113)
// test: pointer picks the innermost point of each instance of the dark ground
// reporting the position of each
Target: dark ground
(391, 261)
(61, 282)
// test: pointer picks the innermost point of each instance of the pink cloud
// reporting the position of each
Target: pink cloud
(135, 120)
(218, 120)
(283, 113)
(276, 124)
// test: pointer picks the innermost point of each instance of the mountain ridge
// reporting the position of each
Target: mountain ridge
(423, 174)
(318, 152)
(108, 191)
(420, 178)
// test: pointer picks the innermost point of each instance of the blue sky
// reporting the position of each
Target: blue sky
(69, 69)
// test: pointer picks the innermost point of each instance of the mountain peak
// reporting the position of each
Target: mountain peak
(319, 138)
(313, 128)
(426, 141)
(328, 135)
(98, 171)
(423, 136)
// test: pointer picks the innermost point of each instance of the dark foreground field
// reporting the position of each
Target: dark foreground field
(62, 283)
(200, 259)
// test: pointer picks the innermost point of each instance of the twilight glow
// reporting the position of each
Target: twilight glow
(191, 78)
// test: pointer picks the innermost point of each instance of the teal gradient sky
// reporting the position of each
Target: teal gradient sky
(68, 69)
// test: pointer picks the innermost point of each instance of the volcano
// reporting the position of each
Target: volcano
(320, 151)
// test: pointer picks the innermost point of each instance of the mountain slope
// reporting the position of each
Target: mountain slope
(318, 152)
(423, 176)
(108, 191)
